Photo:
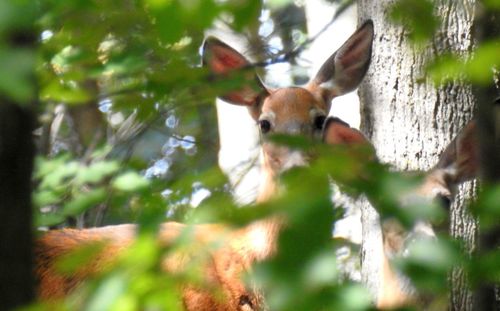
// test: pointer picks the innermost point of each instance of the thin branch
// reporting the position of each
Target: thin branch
(287, 56)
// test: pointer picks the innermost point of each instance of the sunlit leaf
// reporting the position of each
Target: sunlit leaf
(130, 181)
(45, 197)
(274, 4)
(96, 172)
(48, 219)
(322, 270)
(485, 58)
(58, 176)
(70, 93)
(84, 201)
(108, 293)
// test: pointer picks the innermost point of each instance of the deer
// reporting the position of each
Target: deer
(458, 163)
(296, 110)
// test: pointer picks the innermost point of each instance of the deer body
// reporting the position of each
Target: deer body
(292, 111)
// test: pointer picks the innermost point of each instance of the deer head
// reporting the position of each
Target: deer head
(296, 110)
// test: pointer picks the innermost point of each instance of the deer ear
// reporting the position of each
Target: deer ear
(345, 69)
(460, 159)
(224, 61)
(337, 132)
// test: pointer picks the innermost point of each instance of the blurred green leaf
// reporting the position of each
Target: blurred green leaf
(17, 55)
(67, 92)
(428, 263)
(491, 4)
(485, 268)
(276, 4)
(83, 201)
(487, 207)
(411, 13)
(292, 141)
(16, 76)
(108, 294)
(478, 69)
(57, 177)
(16, 15)
(46, 197)
(130, 181)
(486, 57)
(48, 219)
(96, 172)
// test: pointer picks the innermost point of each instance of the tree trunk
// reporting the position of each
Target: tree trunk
(16, 162)
(410, 121)
(487, 27)
(17, 152)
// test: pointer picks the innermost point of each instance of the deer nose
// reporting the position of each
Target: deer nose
(421, 231)
(294, 128)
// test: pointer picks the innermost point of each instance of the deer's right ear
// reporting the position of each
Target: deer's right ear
(223, 61)
(460, 159)
(344, 70)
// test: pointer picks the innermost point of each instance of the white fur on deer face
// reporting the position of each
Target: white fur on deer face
(292, 110)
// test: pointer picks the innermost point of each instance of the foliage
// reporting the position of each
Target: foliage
(135, 64)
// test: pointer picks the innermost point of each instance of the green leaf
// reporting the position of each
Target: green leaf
(478, 69)
(84, 201)
(484, 59)
(96, 172)
(109, 291)
(17, 14)
(445, 68)
(411, 13)
(48, 219)
(46, 197)
(491, 4)
(66, 92)
(58, 176)
(17, 74)
(292, 141)
(276, 4)
(130, 181)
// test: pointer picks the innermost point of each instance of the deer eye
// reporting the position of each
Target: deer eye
(444, 201)
(319, 121)
(265, 126)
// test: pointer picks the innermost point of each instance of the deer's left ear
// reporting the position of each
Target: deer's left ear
(345, 69)
(225, 62)
(337, 132)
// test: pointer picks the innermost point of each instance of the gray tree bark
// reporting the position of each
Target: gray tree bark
(410, 121)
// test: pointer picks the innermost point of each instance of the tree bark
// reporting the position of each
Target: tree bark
(16, 162)
(410, 121)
